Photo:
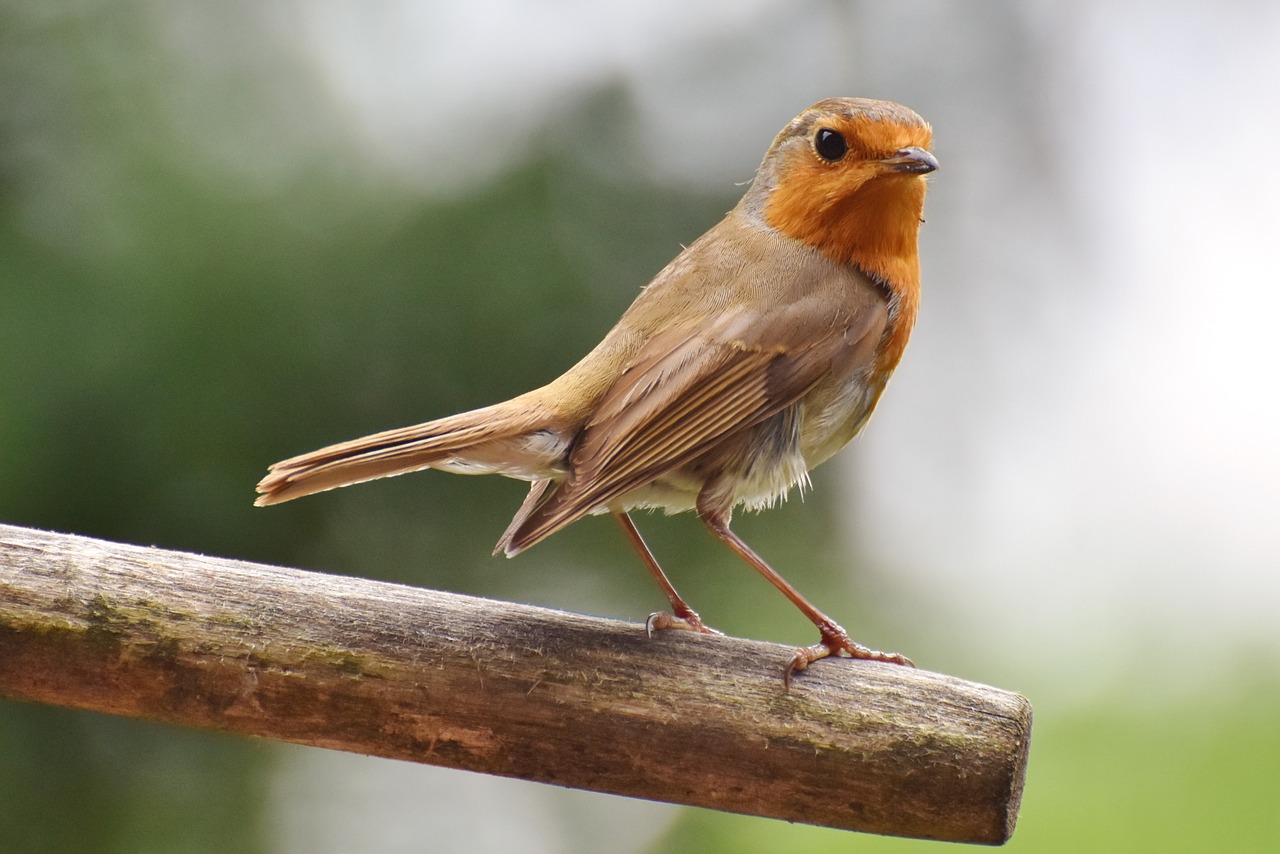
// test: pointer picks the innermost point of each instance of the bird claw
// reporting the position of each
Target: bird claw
(688, 621)
(834, 642)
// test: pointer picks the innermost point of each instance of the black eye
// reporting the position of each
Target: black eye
(830, 144)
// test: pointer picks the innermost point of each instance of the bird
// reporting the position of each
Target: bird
(751, 358)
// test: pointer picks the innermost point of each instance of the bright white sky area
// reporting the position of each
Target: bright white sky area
(1109, 486)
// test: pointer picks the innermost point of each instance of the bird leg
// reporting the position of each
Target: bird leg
(681, 616)
(834, 638)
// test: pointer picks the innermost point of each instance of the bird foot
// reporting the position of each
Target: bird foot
(834, 642)
(685, 620)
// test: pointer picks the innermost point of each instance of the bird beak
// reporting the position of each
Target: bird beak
(912, 161)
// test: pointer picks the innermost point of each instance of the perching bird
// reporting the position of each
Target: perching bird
(755, 355)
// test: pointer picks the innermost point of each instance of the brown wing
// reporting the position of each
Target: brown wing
(683, 396)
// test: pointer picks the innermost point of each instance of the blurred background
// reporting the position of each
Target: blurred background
(234, 232)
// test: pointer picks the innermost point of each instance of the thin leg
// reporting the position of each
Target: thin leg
(834, 638)
(681, 616)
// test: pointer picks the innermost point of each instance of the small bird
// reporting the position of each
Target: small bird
(755, 355)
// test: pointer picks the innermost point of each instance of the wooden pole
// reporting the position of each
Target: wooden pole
(506, 689)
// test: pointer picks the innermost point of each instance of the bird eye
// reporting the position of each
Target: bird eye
(830, 145)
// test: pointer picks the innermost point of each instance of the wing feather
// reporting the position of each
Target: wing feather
(682, 398)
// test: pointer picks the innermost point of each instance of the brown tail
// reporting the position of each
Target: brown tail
(513, 438)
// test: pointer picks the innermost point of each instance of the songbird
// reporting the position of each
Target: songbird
(755, 355)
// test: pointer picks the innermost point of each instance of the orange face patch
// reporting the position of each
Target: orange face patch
(858, 208)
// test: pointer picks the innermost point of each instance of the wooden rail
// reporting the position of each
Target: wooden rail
(506, 689)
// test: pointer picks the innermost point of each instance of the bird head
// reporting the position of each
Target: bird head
(846, 177)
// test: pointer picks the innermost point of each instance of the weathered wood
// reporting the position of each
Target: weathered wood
(506, 689)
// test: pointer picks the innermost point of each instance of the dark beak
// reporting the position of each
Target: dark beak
(912, 161)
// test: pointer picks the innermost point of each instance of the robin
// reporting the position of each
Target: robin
(753, 357)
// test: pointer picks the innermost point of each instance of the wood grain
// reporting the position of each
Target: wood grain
(506, 689)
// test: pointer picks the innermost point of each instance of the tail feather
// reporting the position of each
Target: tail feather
(508, 438)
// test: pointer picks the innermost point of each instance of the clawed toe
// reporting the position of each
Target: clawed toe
(834, 642)
(688, 622)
